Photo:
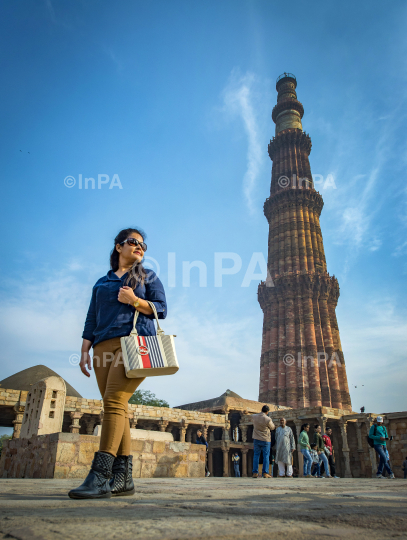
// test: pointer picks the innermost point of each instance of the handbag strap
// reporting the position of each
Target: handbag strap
(160, 331)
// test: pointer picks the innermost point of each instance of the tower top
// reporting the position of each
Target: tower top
(288, 112)
(285, 75)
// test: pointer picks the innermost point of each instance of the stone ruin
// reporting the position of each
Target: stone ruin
(163, 438)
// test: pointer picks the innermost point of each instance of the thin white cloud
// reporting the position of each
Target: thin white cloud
(238, 100)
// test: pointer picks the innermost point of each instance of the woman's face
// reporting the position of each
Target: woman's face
(131, 254)
(306, 428)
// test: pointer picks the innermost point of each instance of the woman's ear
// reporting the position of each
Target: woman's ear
(118, 248)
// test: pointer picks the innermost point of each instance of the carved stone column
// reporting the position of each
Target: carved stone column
(168, 429)
(361, 451)
(182, 432)
(133, 421)
(75, 426)
(211, 434)
(345, 448)
(298, 424)
(244, 462)
(225, 435)
(244, 433)
(101, 415)
(90, 425)
(205, 428)
(18, 419)
(163, 424)
(210, 461)
(225, 450)
(322, 421)
(189, 435)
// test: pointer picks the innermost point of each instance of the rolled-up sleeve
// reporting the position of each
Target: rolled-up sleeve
(90, 323)
(155, 293)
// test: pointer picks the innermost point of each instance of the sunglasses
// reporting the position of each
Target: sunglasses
(134, 242)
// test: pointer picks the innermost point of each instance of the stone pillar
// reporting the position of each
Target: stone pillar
(205, 428)
(189, 435)
(250, 463)
(345, 448)
(211, 432)
(244, 462)
(225, 434)
(182, 432)
(225, 450)
(322, 421)
(75, 426)
(168, 429)
(361, 452)
(210, 461)
(299, 453)
(101, 415)
(163, 424)
(243, 429)
(18, 419)
(90, 425)
(133, 421)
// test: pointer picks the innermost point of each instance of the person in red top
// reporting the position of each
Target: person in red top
(328, 444)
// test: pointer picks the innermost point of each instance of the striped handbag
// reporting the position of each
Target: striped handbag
(149, 356)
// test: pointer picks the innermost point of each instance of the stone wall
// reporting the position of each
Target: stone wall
(396, 424)
(69, 455)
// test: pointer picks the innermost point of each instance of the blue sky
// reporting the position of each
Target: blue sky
(175, 98)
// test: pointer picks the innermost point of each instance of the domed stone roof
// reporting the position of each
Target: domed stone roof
(23, 380)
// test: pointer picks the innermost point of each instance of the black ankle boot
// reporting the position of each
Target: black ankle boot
(96, 484)
(122, 482)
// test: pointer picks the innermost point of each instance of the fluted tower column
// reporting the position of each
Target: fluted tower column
(302, 363)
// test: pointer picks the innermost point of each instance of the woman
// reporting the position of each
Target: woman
(305, 449)
(115, 297)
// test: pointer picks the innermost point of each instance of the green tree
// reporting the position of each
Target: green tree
(145, 397)
(3, 438)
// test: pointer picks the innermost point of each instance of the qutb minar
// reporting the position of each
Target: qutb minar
(302, 363)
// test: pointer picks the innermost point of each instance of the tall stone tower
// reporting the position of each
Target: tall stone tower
(302, 363)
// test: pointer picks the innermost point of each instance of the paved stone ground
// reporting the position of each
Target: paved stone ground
(213, 508)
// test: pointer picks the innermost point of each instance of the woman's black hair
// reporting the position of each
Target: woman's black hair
(304, 426)
(137, 273)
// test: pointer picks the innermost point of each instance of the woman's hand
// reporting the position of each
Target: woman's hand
(86, 361)
(126, 295)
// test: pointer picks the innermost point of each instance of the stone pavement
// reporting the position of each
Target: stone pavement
(213, 508)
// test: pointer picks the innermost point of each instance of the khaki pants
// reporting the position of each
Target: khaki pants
(116, 390)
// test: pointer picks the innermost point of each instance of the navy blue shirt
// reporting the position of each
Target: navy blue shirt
(108, 318)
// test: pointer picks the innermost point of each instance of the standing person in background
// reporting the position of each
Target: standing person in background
(200, 439)
(327, 438)
(305, 450)
(285, 446)
(236, 460)
(262, 427)
(318, 440)
(127, 287)
(378, 433)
